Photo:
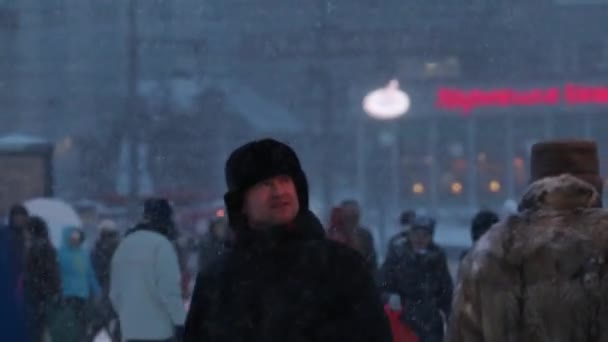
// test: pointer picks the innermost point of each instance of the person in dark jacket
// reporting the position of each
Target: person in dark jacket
(339, 232)
(213, 244)
(12, 315)
(282, 280)
(417, 271)
(16, 235)
(101, 260)
(101, 256)
(42, 280)
(405, 221)
(481, 223)
(365, 241)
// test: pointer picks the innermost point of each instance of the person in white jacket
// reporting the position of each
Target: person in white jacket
(145, 279)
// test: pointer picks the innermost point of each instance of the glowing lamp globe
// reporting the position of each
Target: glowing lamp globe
(387, 103)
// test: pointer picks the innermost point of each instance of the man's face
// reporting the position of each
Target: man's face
(271, 202)
(420, 239)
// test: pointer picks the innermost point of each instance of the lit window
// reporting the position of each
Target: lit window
(494, 186)
(418, 188)
(456, 188)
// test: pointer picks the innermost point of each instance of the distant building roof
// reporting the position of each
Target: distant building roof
(24, 142)
(262, 114)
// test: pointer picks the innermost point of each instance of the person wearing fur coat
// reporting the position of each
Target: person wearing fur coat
(541, 275)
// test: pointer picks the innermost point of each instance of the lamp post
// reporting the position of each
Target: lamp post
(386, 104)
(132, 106)
(326, 110)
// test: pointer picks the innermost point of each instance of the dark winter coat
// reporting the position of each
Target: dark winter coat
(359, 239)
(15, 247)
(540, 275)
(288, 285)
(423, 282)
(42, 281)
(101, 259)
(209, 250)
(367, 248)
(12, 317)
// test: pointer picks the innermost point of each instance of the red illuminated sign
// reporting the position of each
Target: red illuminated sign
(466, 101)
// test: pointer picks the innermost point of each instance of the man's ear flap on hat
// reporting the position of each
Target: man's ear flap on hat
(234, 201)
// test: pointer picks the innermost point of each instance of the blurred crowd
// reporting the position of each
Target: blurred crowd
(271, 271)
(72, 293)
(64, 293)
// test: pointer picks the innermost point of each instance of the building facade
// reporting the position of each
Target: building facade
(196, 79)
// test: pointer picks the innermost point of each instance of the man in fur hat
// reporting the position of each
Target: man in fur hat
(540, 275)
(282, 280)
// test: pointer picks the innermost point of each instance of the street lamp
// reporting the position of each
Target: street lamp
(387, 103)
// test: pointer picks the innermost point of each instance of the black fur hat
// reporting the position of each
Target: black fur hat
(255, 162)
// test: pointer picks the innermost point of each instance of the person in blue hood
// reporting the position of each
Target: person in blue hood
(79, 283)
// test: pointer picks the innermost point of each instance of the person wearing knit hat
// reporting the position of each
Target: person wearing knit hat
(533, 275)
(282, 280)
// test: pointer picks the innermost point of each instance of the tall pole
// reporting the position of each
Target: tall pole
(587, 130)
(433, 137)
(510, 157)
(472, 162)
(395, 168)
(361, 171)
(548, 126)
(131, 128)
(326, 107)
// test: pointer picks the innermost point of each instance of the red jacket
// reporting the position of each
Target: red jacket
(401, 332)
